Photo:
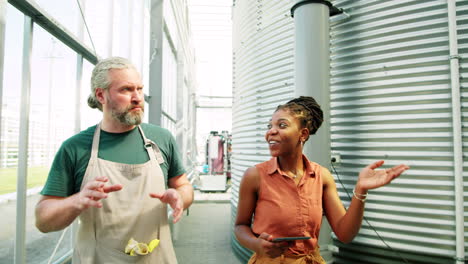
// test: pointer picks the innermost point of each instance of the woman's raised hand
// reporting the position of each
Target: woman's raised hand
(370, 178)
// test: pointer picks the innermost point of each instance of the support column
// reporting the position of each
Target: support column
(21, 182)
(3, 7)
(312, 69)
(155, 63)
(312, 78)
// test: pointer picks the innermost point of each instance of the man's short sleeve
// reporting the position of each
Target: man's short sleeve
(176, 166)
(60, 181)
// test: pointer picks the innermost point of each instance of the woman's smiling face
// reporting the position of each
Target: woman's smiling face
(284, 133)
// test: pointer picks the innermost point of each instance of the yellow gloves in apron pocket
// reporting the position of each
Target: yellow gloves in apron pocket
(134, 248)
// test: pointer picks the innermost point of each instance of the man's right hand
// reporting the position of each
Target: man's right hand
(54, 213)
(94, 191)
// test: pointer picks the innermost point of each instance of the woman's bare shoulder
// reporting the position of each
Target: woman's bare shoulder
(251, 178)
(327, 178)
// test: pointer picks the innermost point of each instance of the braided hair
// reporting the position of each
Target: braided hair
(307, 111)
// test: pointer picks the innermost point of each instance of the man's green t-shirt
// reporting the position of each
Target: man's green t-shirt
(71, 160)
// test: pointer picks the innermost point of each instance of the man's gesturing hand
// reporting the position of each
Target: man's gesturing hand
(173, 198)
(94, 191)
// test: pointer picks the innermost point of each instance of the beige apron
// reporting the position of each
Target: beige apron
(128, 213)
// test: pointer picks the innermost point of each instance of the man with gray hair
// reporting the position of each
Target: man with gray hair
(117, 177)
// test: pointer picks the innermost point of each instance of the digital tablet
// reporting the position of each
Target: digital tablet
(279, 239)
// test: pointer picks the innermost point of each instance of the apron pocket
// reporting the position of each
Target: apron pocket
(111, 255)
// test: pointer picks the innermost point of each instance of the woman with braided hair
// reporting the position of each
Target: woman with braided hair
(287, 195)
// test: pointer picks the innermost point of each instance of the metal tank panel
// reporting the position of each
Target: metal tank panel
(263, 63)
(390, 99)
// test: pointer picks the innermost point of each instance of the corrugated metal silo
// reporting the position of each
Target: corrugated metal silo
(390, 99)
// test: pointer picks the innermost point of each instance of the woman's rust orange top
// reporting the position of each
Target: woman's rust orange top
(285, 209)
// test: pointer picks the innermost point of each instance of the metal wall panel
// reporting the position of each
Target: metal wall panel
(262, 79)
(390, 99)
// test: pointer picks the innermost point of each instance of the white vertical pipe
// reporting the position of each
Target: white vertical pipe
(155, 63)
(79, 76)
(193, 120)
(110, 33)
(79, 79)
(20, 235)
(457, 135)
(181, 106)
(143, 54)
(132, 33)
(312, 78)
(3, 8)
(79, 73)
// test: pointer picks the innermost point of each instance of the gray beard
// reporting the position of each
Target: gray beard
(127, 118)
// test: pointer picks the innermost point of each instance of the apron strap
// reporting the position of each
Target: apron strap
(152, 148)
(95, 147)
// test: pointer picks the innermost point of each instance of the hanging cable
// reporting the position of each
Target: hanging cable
(56, 246)
(365, 219)
(87, 29)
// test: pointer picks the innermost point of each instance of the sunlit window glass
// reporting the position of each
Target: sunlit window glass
(52, 120)
(169, 86)
(9, 133)
(67, 13)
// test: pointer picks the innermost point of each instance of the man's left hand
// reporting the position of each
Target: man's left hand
(174, 199)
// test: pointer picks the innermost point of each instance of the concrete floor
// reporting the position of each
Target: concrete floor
(203, 237)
